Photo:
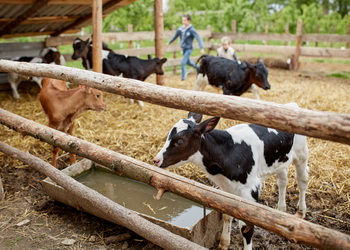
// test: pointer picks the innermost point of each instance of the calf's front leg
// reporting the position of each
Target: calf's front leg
(226, 232)
(72, 157)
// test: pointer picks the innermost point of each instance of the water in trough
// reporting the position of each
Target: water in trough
(139, 197)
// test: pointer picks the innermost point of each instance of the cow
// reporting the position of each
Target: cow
(234, 77)
(116, 65)
(48, 55)
(238, 160)
(83, 49)
(62, 106)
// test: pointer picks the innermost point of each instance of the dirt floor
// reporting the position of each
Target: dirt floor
(140, 133)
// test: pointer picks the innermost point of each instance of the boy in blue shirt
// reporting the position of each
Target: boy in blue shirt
(187, 33)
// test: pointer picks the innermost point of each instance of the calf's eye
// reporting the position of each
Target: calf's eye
(179, 142)
(98, 96)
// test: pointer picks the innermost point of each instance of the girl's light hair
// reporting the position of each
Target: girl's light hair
(226, 39)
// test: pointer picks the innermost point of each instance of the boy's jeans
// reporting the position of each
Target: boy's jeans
(186, 60)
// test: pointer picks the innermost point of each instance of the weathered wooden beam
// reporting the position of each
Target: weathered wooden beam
(109, 209)
(159, 34)
(46, 19)
(71, 31)
(63, 2)
(326, 38)
(96, 39)
(37, 6)
(289, 226)
(324, 125)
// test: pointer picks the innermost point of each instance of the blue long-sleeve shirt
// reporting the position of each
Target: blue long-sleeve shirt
(187, 34)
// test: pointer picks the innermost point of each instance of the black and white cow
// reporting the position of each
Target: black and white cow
(238, 160)
(48, 55)
(234, 77)
(119, 65)
(83, 49)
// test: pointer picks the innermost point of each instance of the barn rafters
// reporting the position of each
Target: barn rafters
(49, 17)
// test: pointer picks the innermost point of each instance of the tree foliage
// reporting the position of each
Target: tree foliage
(324, 16)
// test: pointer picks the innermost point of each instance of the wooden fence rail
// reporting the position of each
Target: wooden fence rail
(324, 125)
(284, 37)
(289, 226)
(109, 210)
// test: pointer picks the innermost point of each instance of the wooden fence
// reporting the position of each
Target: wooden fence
(11, 50)
(208, 36)
(326, 125)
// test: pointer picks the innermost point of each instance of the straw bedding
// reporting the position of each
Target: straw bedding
(140, 133)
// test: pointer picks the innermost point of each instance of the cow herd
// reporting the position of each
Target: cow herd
(237, 159)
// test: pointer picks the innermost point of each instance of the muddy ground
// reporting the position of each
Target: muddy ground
(51, 223)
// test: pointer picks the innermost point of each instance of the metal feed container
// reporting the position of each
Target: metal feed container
(173, 212)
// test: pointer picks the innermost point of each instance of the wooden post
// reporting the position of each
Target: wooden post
(332, 32)
(159, 34)
(348, 44)
(298, 44)
(286, 31)
(266, 32)
(96, 39)
(130, 31)
(174, 53)
(317, 31)
(209, 48)
(233, 28)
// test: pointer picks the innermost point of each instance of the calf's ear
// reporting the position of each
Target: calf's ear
(197, 117)
(85, 88)
(208, 125)
(163, 60)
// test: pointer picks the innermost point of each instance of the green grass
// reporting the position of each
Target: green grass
(344, 75)
(13, 242)
(75, 64)
(331, 61)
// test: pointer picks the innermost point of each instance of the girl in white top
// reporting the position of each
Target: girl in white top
(226, 51)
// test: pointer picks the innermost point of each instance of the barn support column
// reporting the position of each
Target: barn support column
(159, 34)
(96, 38)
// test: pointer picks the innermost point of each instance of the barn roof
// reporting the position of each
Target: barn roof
(49, 17)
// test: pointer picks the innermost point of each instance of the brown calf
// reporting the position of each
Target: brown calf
(62, 106)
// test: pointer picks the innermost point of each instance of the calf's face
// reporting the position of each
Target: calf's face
(94, 99)
(258, 75)
(81, 48)
(52, 57)
(159, 66)
(183, 141)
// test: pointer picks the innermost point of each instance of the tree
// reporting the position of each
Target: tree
(139, 14)
(250, 15)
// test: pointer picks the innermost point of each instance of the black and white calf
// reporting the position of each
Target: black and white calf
(238, 160)
(48, 55)
(234, 77)
(119, 65)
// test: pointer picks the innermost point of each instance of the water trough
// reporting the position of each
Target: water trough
(173, 212)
